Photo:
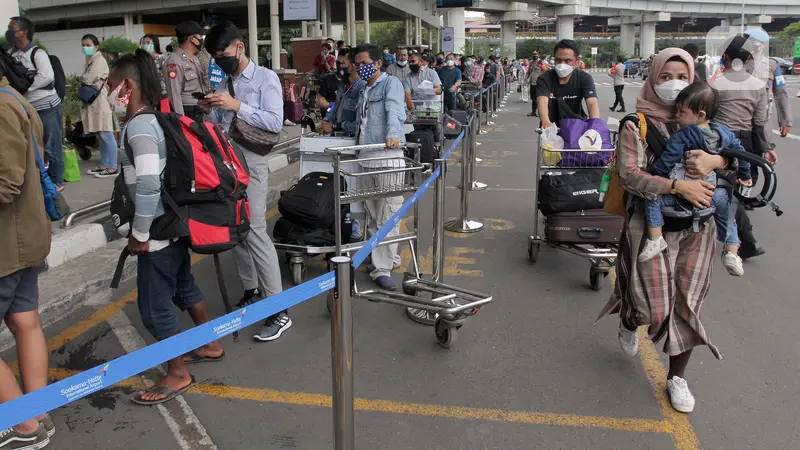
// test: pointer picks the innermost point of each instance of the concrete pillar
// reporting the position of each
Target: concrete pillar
(8, 9)
(508, 39)
(430, 38)
(304, 29)
(565, 27)
(128, 20)
(418, 31)
(408, 32)
(647, 39)
(725, 23)
(366, 20)
(347, 21)
(274, 32)
(326, 17)
(627, 38)
(353, 22)
(455, 19)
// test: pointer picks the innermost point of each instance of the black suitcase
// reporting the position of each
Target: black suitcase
(570, 192)
(424, 137)
(454, 123)
(584, 227)
(310, 203)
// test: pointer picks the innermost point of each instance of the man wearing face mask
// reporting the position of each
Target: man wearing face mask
(380, 121)
(400, 68)
(343, 116)
(743, 107)
(561, 91)
(183, 71)
(330, 84)
(450, 77)
(769, 71)
(422, 83)
(252, 94)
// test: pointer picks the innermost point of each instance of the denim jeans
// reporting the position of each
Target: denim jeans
(108, 150)
(53, 139)
(164, 278)
(722, 215)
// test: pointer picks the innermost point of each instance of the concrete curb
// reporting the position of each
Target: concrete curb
(70, 244)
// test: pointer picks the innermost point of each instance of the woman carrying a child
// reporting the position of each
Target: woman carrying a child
(665, 293)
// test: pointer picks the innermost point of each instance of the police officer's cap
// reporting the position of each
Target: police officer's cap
(188, 28)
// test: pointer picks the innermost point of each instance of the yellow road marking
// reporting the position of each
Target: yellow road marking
(683, 434)
(414, 409)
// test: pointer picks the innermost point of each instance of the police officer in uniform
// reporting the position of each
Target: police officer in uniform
(183, 71)
(769, 70)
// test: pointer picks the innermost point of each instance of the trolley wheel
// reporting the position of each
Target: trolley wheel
(84, 152)
(533, 252)
(297, 273)
(446, 334)
(594, 279)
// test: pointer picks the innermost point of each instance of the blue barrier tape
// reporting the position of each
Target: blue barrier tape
(394, 221)
(90, 381)
(80, 385)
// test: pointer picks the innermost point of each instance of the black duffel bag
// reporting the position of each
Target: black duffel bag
(310, 203)
(571, 192)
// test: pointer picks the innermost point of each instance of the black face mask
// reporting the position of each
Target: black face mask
(11, 36)
(414, 68)
(199, 44)
(228, 64)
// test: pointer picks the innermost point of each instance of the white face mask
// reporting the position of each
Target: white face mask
(668, 91)
(563, 70)
(119, 106)
(402, 63)
(450, 63)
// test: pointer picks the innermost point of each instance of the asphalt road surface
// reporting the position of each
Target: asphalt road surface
(532, 370)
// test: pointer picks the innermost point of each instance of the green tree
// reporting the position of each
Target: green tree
(384, 34)
(526, 47)
(118, 45)
(609, 52)
(791, 32)
(661, 44)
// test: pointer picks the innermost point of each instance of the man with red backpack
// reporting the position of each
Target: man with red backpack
(251, 99)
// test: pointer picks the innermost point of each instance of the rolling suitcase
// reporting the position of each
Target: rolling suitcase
(425, 138)
(293, 110)
(583, 227)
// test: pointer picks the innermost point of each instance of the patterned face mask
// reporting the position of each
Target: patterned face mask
(366, 72)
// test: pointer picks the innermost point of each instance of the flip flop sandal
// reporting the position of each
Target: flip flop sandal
(168, 394)
(195, 358)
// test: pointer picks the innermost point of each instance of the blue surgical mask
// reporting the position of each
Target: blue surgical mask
(88, 51)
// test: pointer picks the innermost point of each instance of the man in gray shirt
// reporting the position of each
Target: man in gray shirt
(618, 74)
(423, 83)
(400, 69)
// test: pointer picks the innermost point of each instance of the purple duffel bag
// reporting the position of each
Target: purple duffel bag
(587, 135)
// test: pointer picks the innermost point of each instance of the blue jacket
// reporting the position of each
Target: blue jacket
(691, 138)
(385, 109)
(345, 112)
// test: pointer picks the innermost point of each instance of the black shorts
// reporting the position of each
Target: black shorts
(19, 291)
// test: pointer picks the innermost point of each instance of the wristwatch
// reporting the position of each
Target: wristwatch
(673, 191)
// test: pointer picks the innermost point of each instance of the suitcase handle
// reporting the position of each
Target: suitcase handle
(589, 232)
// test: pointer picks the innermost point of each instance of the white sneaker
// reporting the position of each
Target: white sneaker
(733, 263)
(652, 248)
(288, 123)
(628, 340)
(679, 395)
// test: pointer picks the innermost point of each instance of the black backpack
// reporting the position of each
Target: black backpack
(59, 78)
(310, 203)
(17, 74)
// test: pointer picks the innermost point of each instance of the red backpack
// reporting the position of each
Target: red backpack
(203, 187)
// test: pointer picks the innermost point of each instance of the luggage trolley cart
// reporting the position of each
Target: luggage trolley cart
(314, 159)
(602, 256)
(393, 176)
(428, 114)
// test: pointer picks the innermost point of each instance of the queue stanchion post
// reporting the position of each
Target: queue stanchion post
(473, 160)
(495, 89)
(463, 224)
(437, 266)
(342, 355)
(490, 104)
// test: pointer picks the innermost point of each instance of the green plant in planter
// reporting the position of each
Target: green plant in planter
(118, 45)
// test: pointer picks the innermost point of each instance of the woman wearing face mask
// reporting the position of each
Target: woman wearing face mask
(150, 44)
(666, 293)
(96, 116)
